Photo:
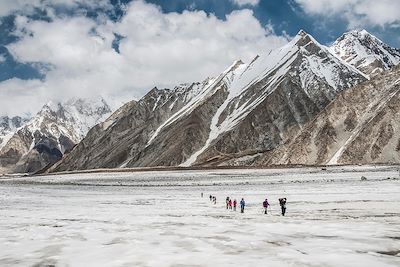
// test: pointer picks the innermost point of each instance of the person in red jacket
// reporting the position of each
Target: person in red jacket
(265, 205)
(234, 205)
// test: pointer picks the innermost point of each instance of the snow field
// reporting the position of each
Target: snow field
(159, 219)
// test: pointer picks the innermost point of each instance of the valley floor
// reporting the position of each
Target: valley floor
(160, 219)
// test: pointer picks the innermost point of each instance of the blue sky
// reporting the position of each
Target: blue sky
(288, 16)
(119, 49)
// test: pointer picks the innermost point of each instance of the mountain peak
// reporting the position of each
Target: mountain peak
(359, 31)
(234, 65)
(363, 32)
(301, 33)
(303, 39)
(359, 34)
(365, 52)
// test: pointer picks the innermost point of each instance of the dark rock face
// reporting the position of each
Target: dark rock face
(171, 147)
(267, 126)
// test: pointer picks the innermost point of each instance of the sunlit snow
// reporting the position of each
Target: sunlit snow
(160, 219)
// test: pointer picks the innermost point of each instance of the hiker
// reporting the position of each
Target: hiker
(227, 202)
(242, 204)
(234, 205)
(265, 205)
(282, 202)
(201, 194)
(211, 198)
(230, 204)
(215, 200)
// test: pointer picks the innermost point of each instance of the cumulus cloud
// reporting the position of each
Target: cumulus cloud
(157, 49)
(246, 2)
(356, 12)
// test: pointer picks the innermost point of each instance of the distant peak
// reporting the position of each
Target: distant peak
(303, 39)
(301, 33)
(50, 105)
(234, 66)
(237, 63)
(358, 33)
(364, 32)
(361, 35)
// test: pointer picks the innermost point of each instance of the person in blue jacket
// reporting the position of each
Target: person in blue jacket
(242, 204)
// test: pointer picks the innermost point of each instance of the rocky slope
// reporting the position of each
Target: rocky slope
(249, 108)
(360, 126)
(365, 52)
(127, 131)
(53, 131)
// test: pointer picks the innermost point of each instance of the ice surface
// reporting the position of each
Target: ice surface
(159, 219)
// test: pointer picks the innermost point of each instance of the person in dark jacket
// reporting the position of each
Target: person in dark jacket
(282, 202)
(242, 205)
(227, 202)
(265, 205)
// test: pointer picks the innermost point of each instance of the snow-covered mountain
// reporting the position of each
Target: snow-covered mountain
(365, 52)
(245, 115)
(247, 109)
(8, 126)
(54, 130)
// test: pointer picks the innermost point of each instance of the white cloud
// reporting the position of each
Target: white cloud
(158, 49)
(356, 12)
(27, 6)
(246, 2)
